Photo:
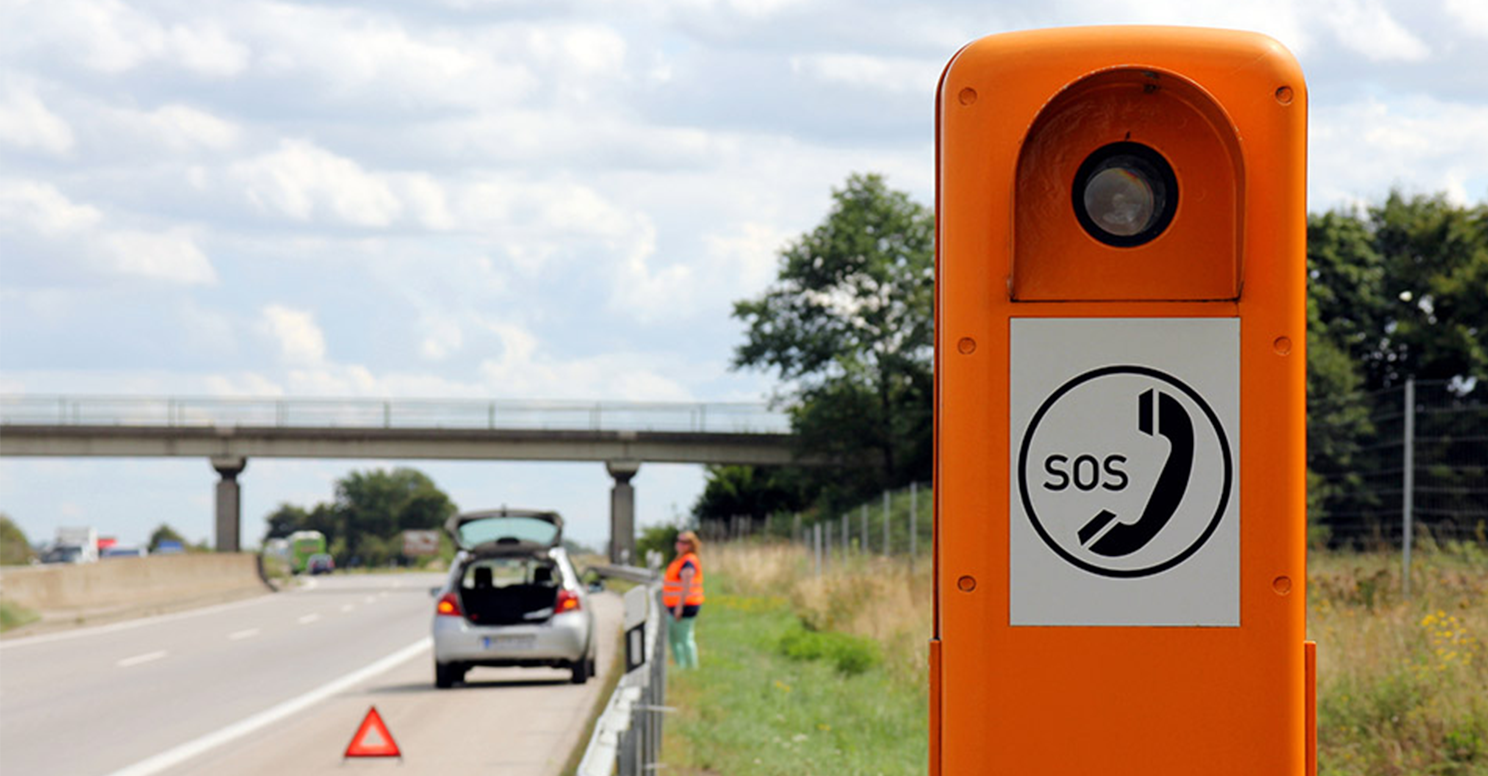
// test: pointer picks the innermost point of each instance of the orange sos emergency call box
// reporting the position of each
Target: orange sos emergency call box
(1120, 431)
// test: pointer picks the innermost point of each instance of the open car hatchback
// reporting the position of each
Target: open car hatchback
(512, 598)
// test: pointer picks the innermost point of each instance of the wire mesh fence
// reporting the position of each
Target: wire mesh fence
(899, 524)
(1410, 461)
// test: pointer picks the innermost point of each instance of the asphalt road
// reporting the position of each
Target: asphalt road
(279, 684)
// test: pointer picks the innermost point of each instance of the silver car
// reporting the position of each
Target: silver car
(512, 598)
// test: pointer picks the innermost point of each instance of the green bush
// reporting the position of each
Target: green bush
(851, 655)
(15, 550)
(662, 538)
(14, 616)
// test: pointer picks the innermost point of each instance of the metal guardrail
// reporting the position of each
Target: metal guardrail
(627, 736)
(172, 412)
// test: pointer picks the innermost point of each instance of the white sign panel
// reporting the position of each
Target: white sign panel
(417, 543)
(1125, 440)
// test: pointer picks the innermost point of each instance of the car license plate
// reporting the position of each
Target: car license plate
(509, 642)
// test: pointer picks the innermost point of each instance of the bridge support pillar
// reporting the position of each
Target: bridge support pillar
(622, 512)
(229, 502)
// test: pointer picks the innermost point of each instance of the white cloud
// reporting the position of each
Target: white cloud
(183, 127)
(522, 370)
(171, 256)
(891, 74)
(359, 54)
(1368, 28)
(113, 38)
(299, 337)
(79, 230)
(300, 178)
(1357, 151)
(443, 337)
(1471, 14)
(25, 122)
(40, 206)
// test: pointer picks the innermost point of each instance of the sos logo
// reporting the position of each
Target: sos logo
(1085, 472)
(1125, 471)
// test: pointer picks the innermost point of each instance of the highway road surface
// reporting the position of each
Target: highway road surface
(278, 685)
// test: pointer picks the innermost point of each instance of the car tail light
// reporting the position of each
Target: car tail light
(448, 606)
(568, 601)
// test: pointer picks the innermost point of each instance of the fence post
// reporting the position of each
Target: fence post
(886, 523)
(846, 535)
(865, 528)
(816, 545)
(1409, 485)
(796, 528)
(827, 545)
(914, 514)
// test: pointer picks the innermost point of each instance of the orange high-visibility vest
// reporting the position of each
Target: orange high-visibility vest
(671, 584)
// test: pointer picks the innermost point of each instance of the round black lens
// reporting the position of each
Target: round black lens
(1125, 194)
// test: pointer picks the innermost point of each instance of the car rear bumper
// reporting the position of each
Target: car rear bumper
(562, 639)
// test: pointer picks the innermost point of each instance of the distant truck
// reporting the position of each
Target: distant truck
(303, 544)
(74, 545)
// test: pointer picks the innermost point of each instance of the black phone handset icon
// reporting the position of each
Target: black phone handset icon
(1173, 423)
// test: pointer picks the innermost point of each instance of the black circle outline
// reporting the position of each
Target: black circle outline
(1165, 200)
(1224, 447)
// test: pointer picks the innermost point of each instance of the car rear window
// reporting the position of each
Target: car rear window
(506, 572)
(528, 530)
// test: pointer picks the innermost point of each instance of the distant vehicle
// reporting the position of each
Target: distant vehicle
(125, 552)
(512, 598)
(320, 563)
(169, 547)
(83, 540)
(65, 553)
(303, 544)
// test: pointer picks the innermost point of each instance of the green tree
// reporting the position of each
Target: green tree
(848, 324)
(372, 507)
(15, 549)
(751, 491)
(285, 520)
(1397, 291)
(166, 534)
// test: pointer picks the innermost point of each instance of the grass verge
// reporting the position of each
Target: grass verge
(787, 688)
(1402, 682)
(14, 616)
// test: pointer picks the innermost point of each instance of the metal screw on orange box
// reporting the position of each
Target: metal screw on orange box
(1120, 451)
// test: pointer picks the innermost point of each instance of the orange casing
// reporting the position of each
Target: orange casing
(1016, 113)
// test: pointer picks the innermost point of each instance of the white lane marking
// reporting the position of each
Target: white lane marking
(347, 607)
(307, 619)
(243, 634)
(118, 626)
(370, 599)
(137, 659)
(173, 757)
(309, 583)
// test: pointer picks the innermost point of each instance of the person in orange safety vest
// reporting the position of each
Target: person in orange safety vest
(682, 595)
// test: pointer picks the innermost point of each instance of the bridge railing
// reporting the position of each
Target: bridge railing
(173, 412)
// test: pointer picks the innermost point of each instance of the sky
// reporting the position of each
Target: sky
(522, 199)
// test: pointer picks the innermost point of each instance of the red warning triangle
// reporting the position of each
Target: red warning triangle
(372, 739)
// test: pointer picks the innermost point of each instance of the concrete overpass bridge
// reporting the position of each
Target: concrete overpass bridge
(229, 431)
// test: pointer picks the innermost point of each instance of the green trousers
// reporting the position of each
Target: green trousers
(684, 647)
